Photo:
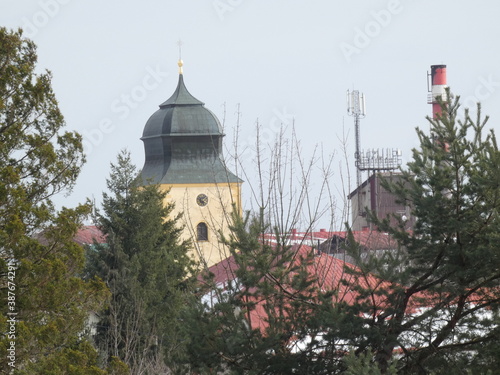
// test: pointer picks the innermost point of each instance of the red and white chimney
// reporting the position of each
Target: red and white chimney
(438, 88)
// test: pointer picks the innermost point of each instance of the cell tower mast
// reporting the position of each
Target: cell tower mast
(356, 108)
(374, 159)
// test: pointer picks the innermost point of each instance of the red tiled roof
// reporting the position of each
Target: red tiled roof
(87, 234)
(330, 273)
(371, 240)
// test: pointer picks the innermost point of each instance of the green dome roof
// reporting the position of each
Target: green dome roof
(183, 143)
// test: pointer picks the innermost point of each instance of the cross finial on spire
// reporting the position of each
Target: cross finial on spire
(180, 63)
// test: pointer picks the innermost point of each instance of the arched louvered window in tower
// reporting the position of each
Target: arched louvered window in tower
(202, 232)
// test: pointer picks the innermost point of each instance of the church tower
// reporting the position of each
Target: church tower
(183, 147)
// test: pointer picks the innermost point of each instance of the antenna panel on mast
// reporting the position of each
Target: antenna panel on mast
(356, 105)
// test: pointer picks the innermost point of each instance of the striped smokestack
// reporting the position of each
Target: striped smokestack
(438, 88)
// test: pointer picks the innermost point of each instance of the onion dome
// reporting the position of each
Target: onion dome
(183, 142)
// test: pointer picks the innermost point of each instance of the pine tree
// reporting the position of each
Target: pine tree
(440, 309)
(363, 364)
(44, 301)
(272, 313)
(147, 269)
(268, 309)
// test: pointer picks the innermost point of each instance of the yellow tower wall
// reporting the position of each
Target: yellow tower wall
(215, 214)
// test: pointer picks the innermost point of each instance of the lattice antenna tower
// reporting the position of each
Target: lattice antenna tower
(356, 107)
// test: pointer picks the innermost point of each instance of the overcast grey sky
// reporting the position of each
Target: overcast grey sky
(114, 61)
